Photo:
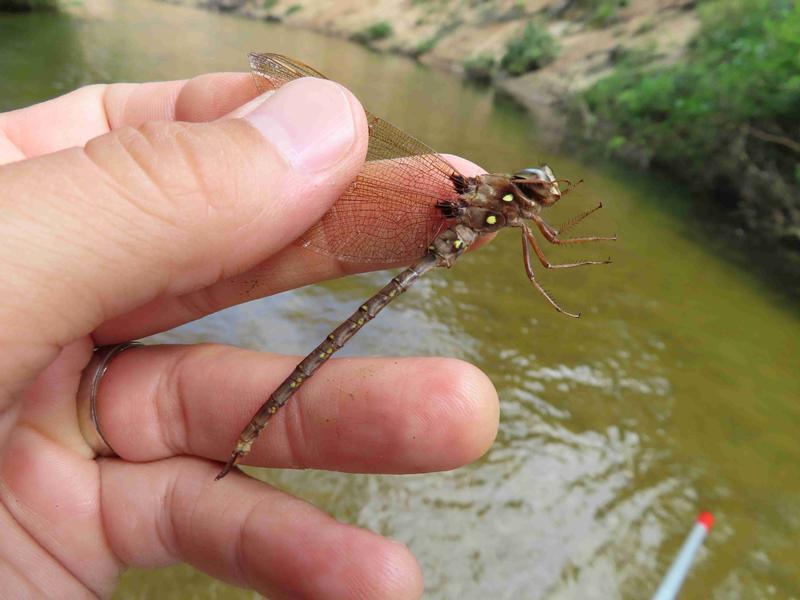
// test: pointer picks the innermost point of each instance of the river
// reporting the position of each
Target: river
(677, 391)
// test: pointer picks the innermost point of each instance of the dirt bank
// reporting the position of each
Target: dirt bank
(590, 34)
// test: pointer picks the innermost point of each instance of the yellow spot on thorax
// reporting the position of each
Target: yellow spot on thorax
(508, 197)
(491, 219)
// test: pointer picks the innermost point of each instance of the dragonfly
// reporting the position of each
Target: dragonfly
(410, 205)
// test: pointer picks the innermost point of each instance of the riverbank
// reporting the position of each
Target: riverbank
(724, 120)
(589, 37)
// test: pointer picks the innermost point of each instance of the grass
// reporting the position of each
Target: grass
(373, 33)
(532, 50)
(429, 44)
(600, 13)
(480, 68)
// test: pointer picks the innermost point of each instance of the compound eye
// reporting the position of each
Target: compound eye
(530, 172)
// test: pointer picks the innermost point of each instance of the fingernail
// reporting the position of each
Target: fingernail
(248, 107)
(309, 121)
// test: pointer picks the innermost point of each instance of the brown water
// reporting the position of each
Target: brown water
(678, 390)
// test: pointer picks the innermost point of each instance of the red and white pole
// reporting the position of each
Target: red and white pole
(668, 590)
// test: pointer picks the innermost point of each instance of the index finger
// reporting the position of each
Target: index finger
(75, 118)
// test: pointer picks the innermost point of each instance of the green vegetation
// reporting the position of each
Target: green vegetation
(269, 4)
(375, 32)
(597, 13)
(604, 12)
(530, 51)
(480, 68)
(293, 9)
(27, 5)
(646, 26)
(727, 119)
(427, 45)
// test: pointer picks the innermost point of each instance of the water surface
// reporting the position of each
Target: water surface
(677, 391)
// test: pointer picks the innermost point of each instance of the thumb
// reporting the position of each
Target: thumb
(164, 209)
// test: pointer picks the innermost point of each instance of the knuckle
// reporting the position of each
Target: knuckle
(169, 397)
(199, 303)
(184, 175)
(299, 443)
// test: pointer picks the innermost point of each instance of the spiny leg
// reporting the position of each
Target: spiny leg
(570, 186)
(570, 223)
(526, 255)
(547, 264)
(552, 235)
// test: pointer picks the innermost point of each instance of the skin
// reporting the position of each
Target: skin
(130, 209)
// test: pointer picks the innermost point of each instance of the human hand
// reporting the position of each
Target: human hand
(128, 210)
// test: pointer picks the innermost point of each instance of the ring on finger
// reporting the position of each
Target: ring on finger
(89, 386)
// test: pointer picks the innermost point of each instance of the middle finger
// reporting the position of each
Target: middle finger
(371, 415)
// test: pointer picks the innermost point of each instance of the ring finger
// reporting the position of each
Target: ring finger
(359, 415)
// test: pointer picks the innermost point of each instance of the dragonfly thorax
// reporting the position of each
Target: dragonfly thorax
(499, 200)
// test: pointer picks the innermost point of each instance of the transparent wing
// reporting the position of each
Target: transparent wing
(389, 213)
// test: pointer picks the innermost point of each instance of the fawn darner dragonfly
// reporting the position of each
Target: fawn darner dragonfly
(409, 204)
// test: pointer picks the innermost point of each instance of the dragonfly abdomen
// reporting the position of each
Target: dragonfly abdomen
(335, 340)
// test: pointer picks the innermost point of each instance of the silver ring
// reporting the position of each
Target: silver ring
(87, 396)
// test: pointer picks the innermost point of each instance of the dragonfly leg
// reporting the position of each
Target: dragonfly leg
(526, 255)
(547, 264)
(552, 234)
(570, 223)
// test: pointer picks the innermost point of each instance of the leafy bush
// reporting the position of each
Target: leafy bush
(480, 68)
(744, 67)
(530, 51)
(728, 117)
(375, 32)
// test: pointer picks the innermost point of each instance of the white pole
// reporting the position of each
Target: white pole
(668, 590)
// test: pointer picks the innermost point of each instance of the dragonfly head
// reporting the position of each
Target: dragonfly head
(538, 185)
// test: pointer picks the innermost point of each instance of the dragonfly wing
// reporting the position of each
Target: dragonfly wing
(271, 71)
(389, 213)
